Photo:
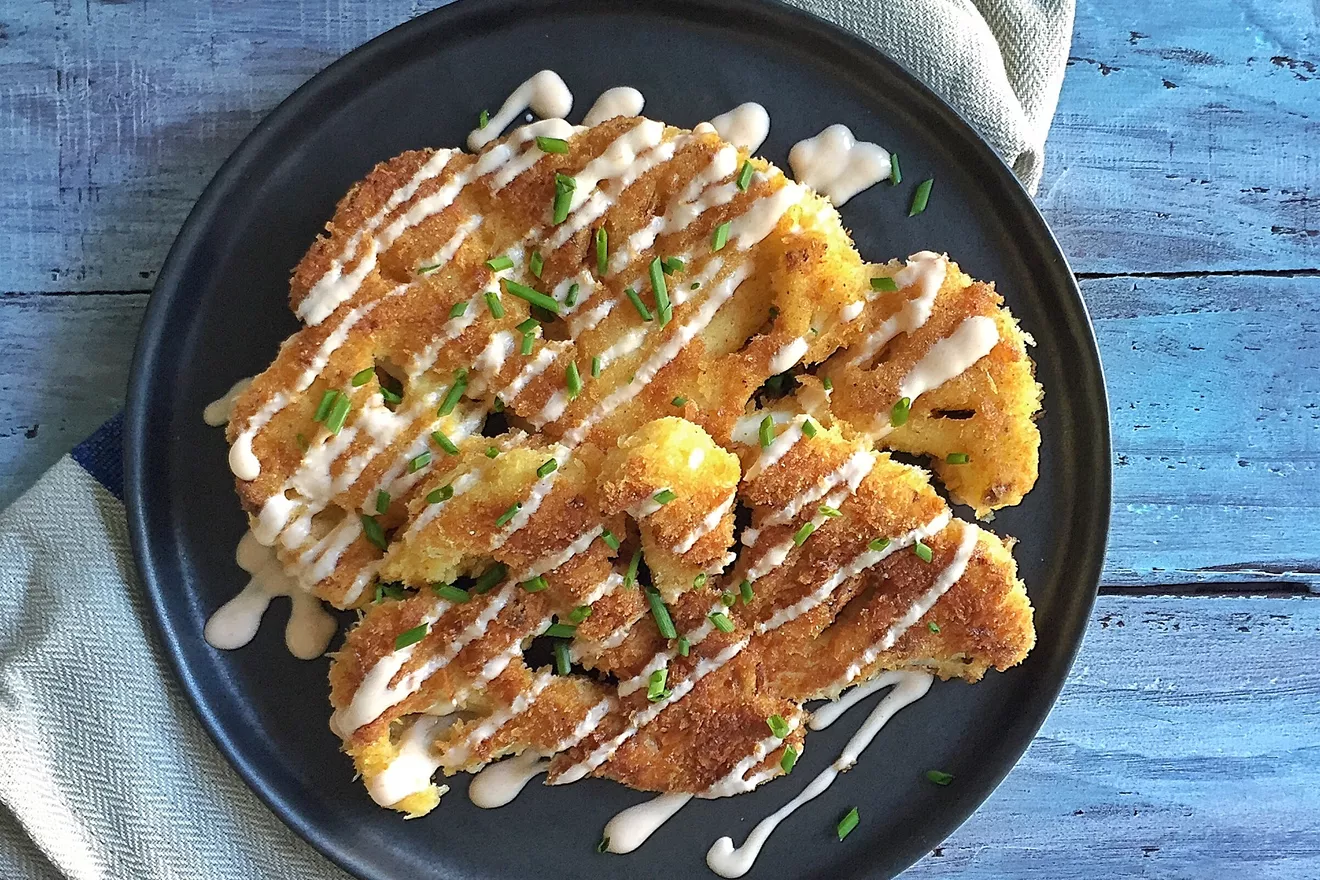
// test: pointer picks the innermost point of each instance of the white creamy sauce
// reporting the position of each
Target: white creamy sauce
(727, 861)
(708, 523)
(414, 765)
(745, 126)
(618, 101)
(497, 784)
(852, 472)
(833, 711)
(630, 828)
(788, 355)
(951, 356)
(594, 207)
(770, 455)
(836, 165)
(217, 412)
(234, 624)
(737, 781)
(618, 159)
(925, 271)
(544, 93)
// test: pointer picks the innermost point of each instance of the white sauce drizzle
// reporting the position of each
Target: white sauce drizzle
(631, 828)
(414, 765)
(618, 101)
(708, 523)
(735, 782)
(544, 93)
(951, 356)
(853, 471)
(926, 271)
(499, 783)
(778, 448)
(745, 126)
(788, 355)
(217, 412)
(837, 165)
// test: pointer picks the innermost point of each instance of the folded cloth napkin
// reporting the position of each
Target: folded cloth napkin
(104, 770)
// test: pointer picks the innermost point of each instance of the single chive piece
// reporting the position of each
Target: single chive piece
(483, 119)
(666, 315)
(338, 414)
(694, 285)
(700, 580)
(444, 493)
(508, 514)
(454, 394)
(721, 236)
(660, 289)
(722, 622)
(884, 283)
(375, 534)
(388, 591)
(899, 414)
(427, 270)
(535, 297)
(957, 458)
(663, 622)
(389, 395)
(490, 577)
(610, 541)
(775, 384)
(826, 510)
(458, 309)
(655, 686)
(727, 599)
(745, 590)
(444, 442)
(778, 726)
(604, 845)
(679, 401)
(579, 614)
(327, 403)
(528, 341)
(492, 452)
(498, 405)
(684, 646)
(536, 264)
(382, 501)
(922, 551)
(551, 145)
(809, 428)
(672, 265)
(411, 636)
(630, 576)
(493, 303)
(454, 594)
(602, 251)
(528, 326)
(847, 823)
(362, 377)
(803, 533)
(500, 263)
(536, 584)
(562, 204)
(638, 304)
(787, 762)
(827, 383)
(560, 630)
(570, 298)
(933, 626)
(895, 172)
(745, 175)
(879, 544)
(664, 496)
(563, 662)
(921, 197)
(939, 777)
(302, 442)
(574, 380)
(420, 461)
(595, 367)
(550, 466)
(767, 431)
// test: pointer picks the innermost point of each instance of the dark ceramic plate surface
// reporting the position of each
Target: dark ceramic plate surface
(219, 312)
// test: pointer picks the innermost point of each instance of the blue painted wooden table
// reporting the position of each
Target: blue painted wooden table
(1181, 180)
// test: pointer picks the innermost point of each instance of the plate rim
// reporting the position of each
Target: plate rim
(339, 74)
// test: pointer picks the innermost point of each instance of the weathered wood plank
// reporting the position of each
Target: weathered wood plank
(1184, 745)
(1168, 109)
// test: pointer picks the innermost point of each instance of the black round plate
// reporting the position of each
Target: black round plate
(219, 312)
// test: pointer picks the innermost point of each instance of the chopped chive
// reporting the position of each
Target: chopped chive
(895, 172)
(483, 119)
(375, 534)
(884, 283)
(560, 630)
(721, 236)
(570, 298)
(607, 536)
(536, 584)
(694, 285)
(509, 514)
(411, 636)
(458, 309)
(809, 428)
(630, 576)
(660, 289)
(550, 466)
(664, 496)
(790, 758)
(388, 591)
(563, 200)
(672, 265)
(528, 341)
(493, 303)
(427, 270)
(327, 403)
(362, 377)
(778, 726)
(666, 315)
(663, 622)
(535, 297)
(454, 594)
(826, 510)
(579, 614)
(803, 533)
(745, 590)
(655, 686)
(500, 263)
(879, 544)
(574, 380)
(382, 501)
(922, 551)
(419, 461)
(957, 458)
(551, 144)
(454, 394)
(722, 622)
(498, 405)
(827, 383)
(602, 251)
(727, 599)
(338, 414)
(302, 442)
(679, 401)
(490, 577)
(933, 626)
(638, 304)
(444, 493)
(767, 431)
(684, 646)
(604, 845)
(563, 662)
(700, 580)
(389, 395)
(899, 414)
(847, 823)
(536, 264)
(921, 197)
(744, 176)
(528, 326)
(939, 777)
(492, 452)
(444, 442)
(595, 367)
(775, 384)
